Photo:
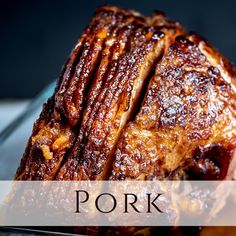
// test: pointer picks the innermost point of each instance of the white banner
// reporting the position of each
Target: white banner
(117, 203)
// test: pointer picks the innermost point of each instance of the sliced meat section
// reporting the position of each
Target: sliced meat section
(56, 129)
(186, 126)
(113, 105)
(113, 98)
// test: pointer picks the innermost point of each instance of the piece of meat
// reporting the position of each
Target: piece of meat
(112, 117)
(186, 125)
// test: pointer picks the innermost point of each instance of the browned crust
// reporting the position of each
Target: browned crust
(189, 105)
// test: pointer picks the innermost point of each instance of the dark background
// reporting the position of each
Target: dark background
(37, 36)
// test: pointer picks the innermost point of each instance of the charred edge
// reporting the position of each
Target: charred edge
(66, 76)
(125, 31)
(78, 140)
(108, 68)
(89, 106)
(91, 47)
(69, 93)
(86, 80)
(114, 73)
(83, 106)
(69, 68)
(65, 158)
(89, 109)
